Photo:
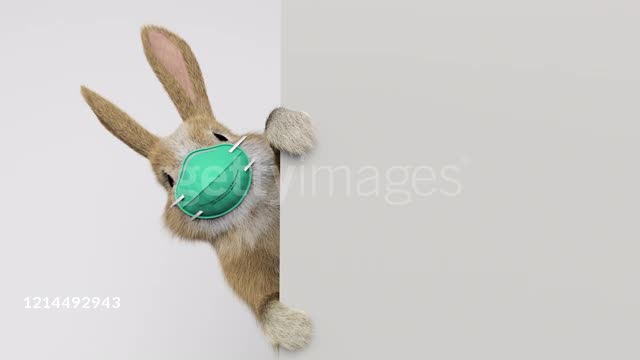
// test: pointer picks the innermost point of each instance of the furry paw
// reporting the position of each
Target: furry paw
(286, 327)
(290, 131)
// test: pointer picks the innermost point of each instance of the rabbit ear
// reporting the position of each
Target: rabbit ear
(178, 70)
(119, 123)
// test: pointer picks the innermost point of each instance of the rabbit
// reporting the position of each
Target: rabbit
(247, 239)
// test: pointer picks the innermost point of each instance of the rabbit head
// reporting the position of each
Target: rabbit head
(177, 69)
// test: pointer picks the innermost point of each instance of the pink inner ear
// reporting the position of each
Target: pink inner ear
(172, 60)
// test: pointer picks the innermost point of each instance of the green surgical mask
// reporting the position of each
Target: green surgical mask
(213, 181)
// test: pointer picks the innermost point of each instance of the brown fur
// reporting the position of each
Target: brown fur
(120, 124)
(247, 240)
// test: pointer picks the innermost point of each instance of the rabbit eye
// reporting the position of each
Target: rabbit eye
(169, 179)
(220, 137)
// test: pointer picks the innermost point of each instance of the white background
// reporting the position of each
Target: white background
(82, 212)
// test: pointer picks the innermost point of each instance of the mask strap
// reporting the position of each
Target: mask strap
(177, 200)
(250, 163)
(237, 144)
(196, 215)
